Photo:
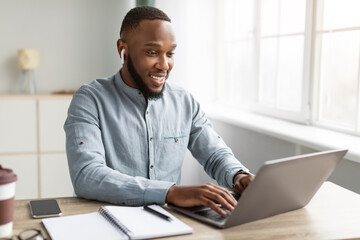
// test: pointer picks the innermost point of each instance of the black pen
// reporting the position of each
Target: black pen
(159, 214)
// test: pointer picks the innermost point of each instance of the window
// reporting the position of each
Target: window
(237, 52)
(337, 40)
(293, 59)
(281, 42)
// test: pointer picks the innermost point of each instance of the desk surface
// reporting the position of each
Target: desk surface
(333, 213)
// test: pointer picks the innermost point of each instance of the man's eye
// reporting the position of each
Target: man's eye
(152, 53)
(170, 54)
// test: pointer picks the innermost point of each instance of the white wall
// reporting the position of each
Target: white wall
(76, 40)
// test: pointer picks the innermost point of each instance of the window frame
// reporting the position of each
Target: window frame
(304, 116)
(309, 111)
(315, 94)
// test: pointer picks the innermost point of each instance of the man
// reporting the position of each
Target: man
(126, 136)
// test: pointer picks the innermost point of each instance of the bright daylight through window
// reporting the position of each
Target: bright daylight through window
(294, 59)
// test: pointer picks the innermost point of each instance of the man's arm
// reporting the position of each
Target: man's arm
(91, 176)
(211, 151)
(219, 163)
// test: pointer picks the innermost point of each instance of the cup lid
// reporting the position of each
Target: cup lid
(7, 175)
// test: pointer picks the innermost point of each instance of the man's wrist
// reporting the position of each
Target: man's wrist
(168, 194)
(239, 172)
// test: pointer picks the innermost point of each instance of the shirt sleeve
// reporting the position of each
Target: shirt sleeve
(90, 175)
(211, 151)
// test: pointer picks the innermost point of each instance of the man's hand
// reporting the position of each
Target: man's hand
(241, 181)
(208, 195)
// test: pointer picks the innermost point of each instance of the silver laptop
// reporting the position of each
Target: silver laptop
(280, 186)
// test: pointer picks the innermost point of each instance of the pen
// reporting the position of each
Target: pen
(159, 214)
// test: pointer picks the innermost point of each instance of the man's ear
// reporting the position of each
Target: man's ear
(121, 45)
(122, 49)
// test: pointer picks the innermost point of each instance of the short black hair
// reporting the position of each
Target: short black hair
(136, 15)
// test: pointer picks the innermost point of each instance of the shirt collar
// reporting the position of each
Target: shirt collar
(130, 91)
(123, 87)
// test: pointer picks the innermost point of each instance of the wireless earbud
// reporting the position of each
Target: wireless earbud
(122, 56)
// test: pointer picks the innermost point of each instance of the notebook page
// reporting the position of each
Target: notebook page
(146, 225)
(90, 226)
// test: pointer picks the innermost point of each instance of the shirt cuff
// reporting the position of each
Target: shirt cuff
(231, 174)
(156, 192)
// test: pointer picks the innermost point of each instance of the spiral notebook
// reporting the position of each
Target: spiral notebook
(115, 222)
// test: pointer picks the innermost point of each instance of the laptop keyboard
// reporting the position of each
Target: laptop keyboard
(211, 214)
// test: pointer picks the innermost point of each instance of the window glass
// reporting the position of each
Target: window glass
(236, 83)
(340, 14)
(282, 54)
(269, 20)
(292, 16)
(290, 73)
(238, 19)
(339, 78)
(268, 71)
(239, 69)
(201, 55)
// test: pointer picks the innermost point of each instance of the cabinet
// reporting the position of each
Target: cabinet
(32, 143)
(25, 167)
(17, 125)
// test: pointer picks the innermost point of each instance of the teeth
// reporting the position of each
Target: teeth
(157, 78)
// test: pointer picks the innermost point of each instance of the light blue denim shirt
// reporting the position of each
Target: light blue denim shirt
(123, 150)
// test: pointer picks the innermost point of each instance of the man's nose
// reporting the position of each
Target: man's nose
(163, 63)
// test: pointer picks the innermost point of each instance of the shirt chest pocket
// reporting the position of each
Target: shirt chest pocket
(172, 146)
(176, 139)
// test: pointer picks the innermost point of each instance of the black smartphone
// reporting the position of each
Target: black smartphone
(44, 208)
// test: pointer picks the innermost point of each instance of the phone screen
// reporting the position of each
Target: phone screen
(44, 208)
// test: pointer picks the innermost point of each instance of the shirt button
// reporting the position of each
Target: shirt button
(139, 93)
(151, 166)
(176, 140)
(151, 139)
(147, 112)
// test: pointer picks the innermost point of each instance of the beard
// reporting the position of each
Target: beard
(140, 83)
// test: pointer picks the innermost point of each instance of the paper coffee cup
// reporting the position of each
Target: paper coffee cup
(7, 195)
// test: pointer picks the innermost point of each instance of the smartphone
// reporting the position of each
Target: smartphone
(44, 208)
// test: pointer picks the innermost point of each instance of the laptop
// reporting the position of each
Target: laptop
(280, 186)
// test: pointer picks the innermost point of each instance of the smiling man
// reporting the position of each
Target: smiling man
(152, 44)
(127, 135)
